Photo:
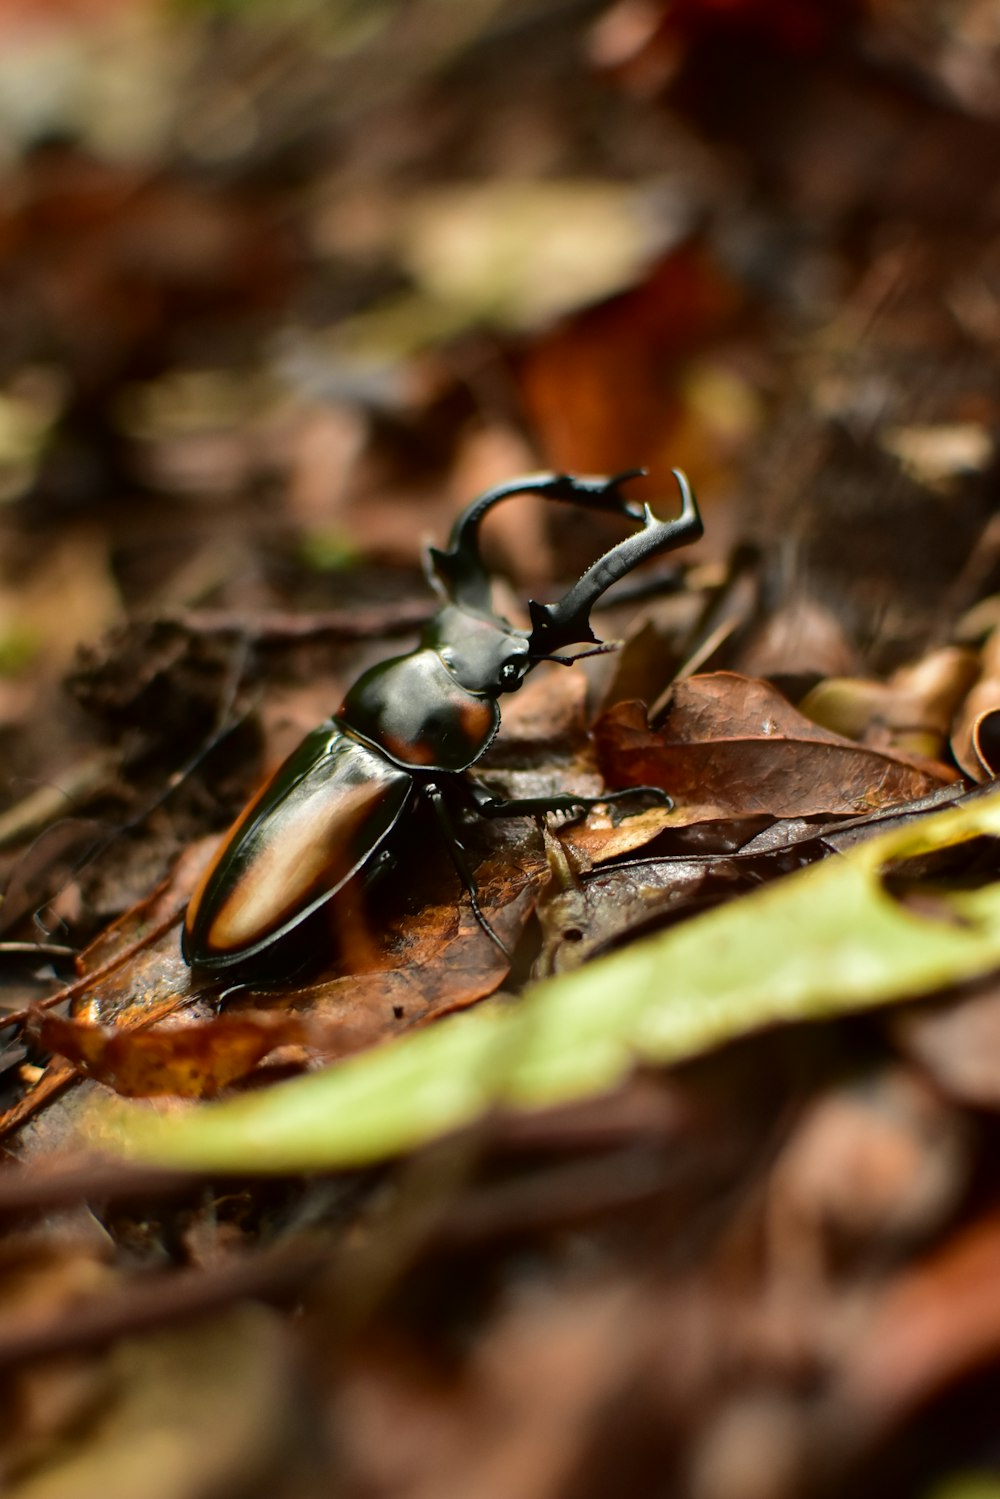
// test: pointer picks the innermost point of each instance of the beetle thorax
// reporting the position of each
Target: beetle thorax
(414, 711)
(436, 708)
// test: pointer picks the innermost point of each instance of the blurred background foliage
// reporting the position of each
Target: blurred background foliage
(282, 285)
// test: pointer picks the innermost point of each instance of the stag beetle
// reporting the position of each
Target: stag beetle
(409, 727)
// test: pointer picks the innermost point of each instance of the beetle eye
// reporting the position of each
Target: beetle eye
(510, 671)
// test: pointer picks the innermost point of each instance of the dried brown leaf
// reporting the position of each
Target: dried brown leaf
(911, 713)
(437, 961)
(597, 386)
(417, 963)
(187, 1061)
(736, 742)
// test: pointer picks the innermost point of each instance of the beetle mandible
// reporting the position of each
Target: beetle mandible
(412, 726)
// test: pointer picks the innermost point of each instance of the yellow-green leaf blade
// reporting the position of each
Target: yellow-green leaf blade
(828, 940)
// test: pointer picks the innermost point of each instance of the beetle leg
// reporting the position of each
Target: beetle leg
(457, 851)
(379, 866)
(529, 806)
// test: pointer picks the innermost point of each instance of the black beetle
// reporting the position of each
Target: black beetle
(410, 726)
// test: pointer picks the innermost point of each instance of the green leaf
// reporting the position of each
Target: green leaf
(823, 942)
(967, 1486)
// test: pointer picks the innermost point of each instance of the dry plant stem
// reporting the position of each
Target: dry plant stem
(28, 1190)
(157, 1301)
(38, 949)
(971, 581)
(35, 812)
(55, 1079)
(336, 624)
(728, 609)
(81, 985)
(702, 654)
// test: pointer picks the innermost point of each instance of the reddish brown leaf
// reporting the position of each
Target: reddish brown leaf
(600, 387)
(736, 742)
(440, 960)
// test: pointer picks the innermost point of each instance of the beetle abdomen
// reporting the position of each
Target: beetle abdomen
(318, 820)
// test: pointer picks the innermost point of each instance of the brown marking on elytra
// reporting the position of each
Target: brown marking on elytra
(314, 848)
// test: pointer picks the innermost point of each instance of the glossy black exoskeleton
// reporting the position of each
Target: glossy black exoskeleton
(409, 727)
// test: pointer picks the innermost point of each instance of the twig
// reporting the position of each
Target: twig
(159, 1300)
(35, 812)
(59, 1077)
(337, 624)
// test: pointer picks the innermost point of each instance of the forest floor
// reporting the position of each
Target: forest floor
(692, 1191)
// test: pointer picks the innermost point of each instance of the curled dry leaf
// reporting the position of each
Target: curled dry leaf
(976, 740)
(601, 839)
(188, 1061)
(911, 713)
(736, 742)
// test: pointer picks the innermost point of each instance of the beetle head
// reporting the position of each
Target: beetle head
(459, 574)
(484, 654)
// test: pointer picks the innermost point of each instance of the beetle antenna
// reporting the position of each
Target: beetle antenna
(457, 571)
(568, 620)
(600, 649)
